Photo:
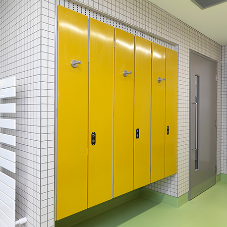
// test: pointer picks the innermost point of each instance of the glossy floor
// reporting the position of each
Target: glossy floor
(208, 209)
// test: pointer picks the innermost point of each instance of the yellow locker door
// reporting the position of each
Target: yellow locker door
(72, 104)
(171, 113)
(142, 112)
(157, 112)
(123, 112)
(100, 112)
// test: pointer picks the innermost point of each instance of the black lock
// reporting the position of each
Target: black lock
(137, 133)
(93, 138)
(167, 130)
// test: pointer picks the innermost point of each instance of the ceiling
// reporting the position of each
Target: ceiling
(212, 21)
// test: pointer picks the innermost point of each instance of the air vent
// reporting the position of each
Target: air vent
(203, 4)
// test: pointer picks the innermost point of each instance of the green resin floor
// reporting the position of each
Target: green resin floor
(208, 209)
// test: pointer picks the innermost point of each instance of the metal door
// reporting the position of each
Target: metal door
(158, 113)
(123, 112)
(203, 115)
(100, 112)
(142, 112)
(171, 112)
(72, 95)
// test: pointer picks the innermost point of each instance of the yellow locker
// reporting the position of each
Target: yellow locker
(123, 112)
(100, 112)
(158, 112)
(72, 104)
(171, 113)
(142, 112)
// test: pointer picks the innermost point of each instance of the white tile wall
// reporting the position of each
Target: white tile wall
(47, 111)
(27, 51)
(224, 111)
(20, 55)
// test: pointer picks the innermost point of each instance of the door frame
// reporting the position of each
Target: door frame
(212, 60)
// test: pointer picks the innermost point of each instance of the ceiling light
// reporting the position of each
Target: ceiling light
(203, 4)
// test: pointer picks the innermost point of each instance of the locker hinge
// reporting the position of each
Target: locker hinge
(216, 78)
(216, 123)
(215, 169)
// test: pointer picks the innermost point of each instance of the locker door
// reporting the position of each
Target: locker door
(171, 113)
(157, 112)
(72, 113)
(142, 112)
(123, 112)
(100, 112)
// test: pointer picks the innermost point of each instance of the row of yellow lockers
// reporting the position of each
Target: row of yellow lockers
(116, 112)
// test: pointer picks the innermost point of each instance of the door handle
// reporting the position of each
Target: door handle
(93, 138)
(160, 80)
(196, 125)
(75, 63)
(196, 137)
(125, 73)
(196, 121)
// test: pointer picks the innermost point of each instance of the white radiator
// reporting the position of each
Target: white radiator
(7, 157)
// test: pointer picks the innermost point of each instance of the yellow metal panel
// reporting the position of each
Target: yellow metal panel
(123, 112)
(157, 113)
(171, 112)
(72, 113)
(142, 112)
(100, 112)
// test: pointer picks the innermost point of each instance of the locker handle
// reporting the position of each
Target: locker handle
(160, 80)
(75, 63)
(125, 73)
(93, 138)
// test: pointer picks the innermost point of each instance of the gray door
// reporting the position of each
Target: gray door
(203, 115)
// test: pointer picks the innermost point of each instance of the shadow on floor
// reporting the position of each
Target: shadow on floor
(123, 212)
(206, 210)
